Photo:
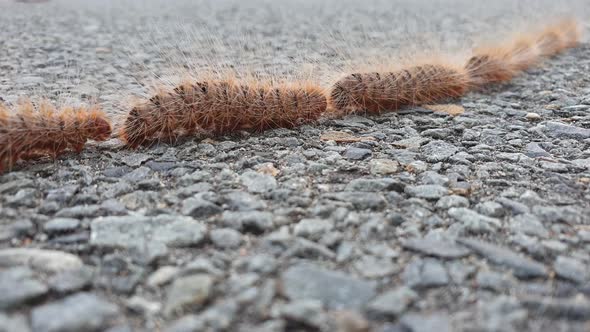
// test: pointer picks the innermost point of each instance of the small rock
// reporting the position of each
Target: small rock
(571, 269)
(14, 323)
(198, 207)
(383, 166)
(434, 247)
(335, 290)
(60, 225)
(249, 221)
(532, 116)
(418, 322)
(564, 308)
(78, 312)
(312, 228)
(50, 261)
(257, 182)
(494, 281)
(473, 222)
(189, 291)
(162, 276)
(357, 153)
(392, 303)
(425, 273)
(226, 238)
(141, 232)
(534, 150)
(374, 185)
(522, 266)
(307, 312)
(18, 287)
(375, 267)
(436, 151)
(71, 280)
(427, 191)
(491, 209)
(451, 201)
(561, 130)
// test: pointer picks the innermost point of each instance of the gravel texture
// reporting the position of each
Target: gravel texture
(426, 221)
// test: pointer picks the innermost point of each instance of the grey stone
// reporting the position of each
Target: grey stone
(145, 232)
(447, 202)
(188, 323)
(375, 267)
(137, 174)
(249, 221)
(50, 261)
(307, 312)
(135, 159)
(494, 281)
(357, 153)
(565, 214)
(312, 228)
(335, 290)
(427, 191)
(18, 287)
(258, 182)
(564, 308)
(243, 201)
(436, 247)
(189, 291)
(13, 323)
(383, 166)
(431, 177)
(571, 269)
(534, 150)
(425, 273)
(528, 224)
(436, 151)
(513, 206)
(522, 266)
(561, 130)
(490, 209)
(393, 302)
(198, 207)
(360, 201)
(226, 238)
(59, 225)
(411, 143)
(71, 280)
(374, 185)
(418, 322)
(473, 222)
(78, 312)
(162, 276)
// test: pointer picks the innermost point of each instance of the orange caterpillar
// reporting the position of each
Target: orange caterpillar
(40, 129)
(220, 107)
(376, 92)
(502, 63)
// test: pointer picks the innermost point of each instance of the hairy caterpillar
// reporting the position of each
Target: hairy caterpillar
(375, 92)
(220, 107)
(41, 129)
(502, 63)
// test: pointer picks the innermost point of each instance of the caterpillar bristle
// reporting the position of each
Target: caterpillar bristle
(377, 92)
(37, 129)
(219, 107)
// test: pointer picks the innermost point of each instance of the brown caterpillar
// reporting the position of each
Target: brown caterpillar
(377, 92)
(40, 129)
(220, 107)
(502, 63)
